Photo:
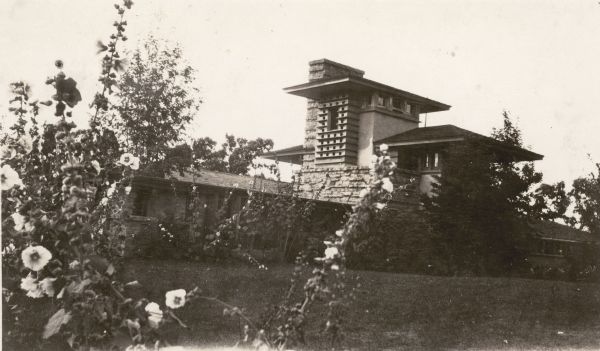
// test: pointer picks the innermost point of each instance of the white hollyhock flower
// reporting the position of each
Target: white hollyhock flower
(31, 285)
(335, 267)
(386, 184)
(104, 201)
(26, 143)
(7, 152)
(19, 220)
(127, 190)
(129, 160)
(339, 232)
(9, 178)
(155, 314)
(383, 147)
(175, 298)
(111, 190)
(331, 252)
(36, 257)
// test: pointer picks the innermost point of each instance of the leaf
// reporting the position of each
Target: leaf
(99, 263)
(78, 287)
(55, 322)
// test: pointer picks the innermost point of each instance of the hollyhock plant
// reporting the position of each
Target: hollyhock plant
(175, 298)
(36, 257)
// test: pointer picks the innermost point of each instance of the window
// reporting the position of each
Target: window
(551, 247)
(380, 100)
(398, 104)
(333, 118)
(408, 108)
(431, 161)
(140, 202)
(366, 101)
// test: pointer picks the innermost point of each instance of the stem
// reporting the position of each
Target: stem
(240, 314)
(183, 325)
(112, 55)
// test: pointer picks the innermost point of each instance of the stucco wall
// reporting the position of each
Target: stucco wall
(376, 125)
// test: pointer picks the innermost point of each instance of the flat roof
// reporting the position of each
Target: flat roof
(329, 86)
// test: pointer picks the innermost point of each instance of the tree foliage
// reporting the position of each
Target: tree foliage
(483, 204)
(156, 100)
(586, 199)
(235, 155)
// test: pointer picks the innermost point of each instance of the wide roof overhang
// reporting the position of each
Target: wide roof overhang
(327, 87)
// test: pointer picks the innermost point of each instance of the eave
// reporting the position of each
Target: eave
(324, 87)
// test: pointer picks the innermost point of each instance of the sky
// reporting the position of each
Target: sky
(540, 60)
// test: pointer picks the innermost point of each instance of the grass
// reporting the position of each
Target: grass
(391, 311)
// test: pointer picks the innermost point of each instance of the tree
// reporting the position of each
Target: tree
(236, 155)
(586, 198)
(483, 206)
(156, 100)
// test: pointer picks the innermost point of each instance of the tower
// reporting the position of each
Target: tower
(346, 113)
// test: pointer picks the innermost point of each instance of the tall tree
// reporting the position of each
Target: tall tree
(586, 198)
(483, 205)
(157, 100)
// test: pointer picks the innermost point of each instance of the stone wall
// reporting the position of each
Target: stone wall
(324, 69)
(340, 185)
(343, 185)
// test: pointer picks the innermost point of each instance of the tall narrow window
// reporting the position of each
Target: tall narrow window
(140, 202)
(333, 118)
(426, 161)
(436, 160)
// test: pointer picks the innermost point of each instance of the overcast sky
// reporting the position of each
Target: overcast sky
(538, 59)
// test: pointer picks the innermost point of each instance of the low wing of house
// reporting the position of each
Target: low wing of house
(171, 195)
(553, 243)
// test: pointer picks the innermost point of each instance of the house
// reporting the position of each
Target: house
(348, 117)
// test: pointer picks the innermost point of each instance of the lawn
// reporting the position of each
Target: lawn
(392, 311)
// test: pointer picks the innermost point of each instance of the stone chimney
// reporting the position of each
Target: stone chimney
(326, 69)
